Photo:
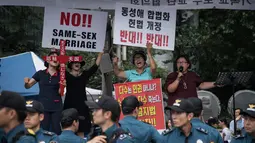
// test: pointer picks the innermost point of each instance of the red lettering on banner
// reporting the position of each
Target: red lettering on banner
(123, 35)
(165, 40)
(132, 37)
(158, 39)
(150, 38)
(75, 19)
(140, 37)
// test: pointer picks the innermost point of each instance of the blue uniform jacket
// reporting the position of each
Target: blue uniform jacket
(197, 135)
(213, 133)
(246, 138)
(47, 137)
(68, 136)
(23, 139)
(141, 132)
(123, 138)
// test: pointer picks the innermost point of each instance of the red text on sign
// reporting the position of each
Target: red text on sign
(157, 39)
(131, 37)
(75, 19)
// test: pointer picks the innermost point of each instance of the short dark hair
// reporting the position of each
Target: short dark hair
(185, 57)
(67, 124)
(239, 109)
(114, 117)
(225, 121)
(21, 115)
(197, 113)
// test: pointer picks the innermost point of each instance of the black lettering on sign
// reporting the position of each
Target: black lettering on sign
(64, 33)
(89, 35)
(75, 43)
(136, 2)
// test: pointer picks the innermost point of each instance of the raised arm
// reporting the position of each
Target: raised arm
(172, 82)
(29, 82)
(92, 70)
(153, 65)
(118, 72)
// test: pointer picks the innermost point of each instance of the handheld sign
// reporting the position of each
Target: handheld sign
(63, 59)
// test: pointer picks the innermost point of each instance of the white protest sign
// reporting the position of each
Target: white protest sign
(110, 4)
(135, 25)
(83, 30)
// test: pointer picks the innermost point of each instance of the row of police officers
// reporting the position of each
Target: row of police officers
(20, 123)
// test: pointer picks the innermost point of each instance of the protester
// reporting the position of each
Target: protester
(76, 81)
(12, 116)
(213, 122)
(184, 131)
(34, 117)
(70, 120)
(49, 94)
(249, 125)
(226, 133)
(106, 115)
(239, 121)
(184, 83)
(197, 110)
(142, 71)
(141, 132)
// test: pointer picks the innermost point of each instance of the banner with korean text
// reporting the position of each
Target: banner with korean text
(110, 4)
(136, 25)
(150, 93)
(82, 30)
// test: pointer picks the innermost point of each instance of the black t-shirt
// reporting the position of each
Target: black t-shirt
(49, 90)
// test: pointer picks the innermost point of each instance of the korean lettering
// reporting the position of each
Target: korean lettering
(157, 26)
(48, 58)
(131, 23)
(150, 14)
(123, 90)
(132, 37)
(182, 2)
(123, 35)
(137, 88)
(171, 2)
(139, 24)
(152, 110)
(140, 112)
(208, 1)
(235, 2)
(76, 59)
(150, 25)
(140, 13)
(166, 16)
(197, 1)
(156, 3)
(158, 15)
(146, 111)
(146, 2)
(223, 2)
(124, 11)
(54, 58)
(150, 37)
(158, 40)
(132, 12)
(136, 2)
(142, 99)
(70, 59)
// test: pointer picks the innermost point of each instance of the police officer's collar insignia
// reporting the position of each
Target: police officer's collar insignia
(29, 103)
(41, 141)
(48, 133)
(30, 131)
(239, 136)
(177, 102)
(122, 136)
(202, 130)
(199, 141)
(167, 131)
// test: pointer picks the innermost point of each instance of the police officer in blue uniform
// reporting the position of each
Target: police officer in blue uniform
(12, 116)
(70, 125)
(106, 113)
(197, 110)
(249, 125)
(142, 132)
(35, 114)
(184, 131)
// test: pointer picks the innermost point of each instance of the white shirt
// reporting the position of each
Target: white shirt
(227, 134)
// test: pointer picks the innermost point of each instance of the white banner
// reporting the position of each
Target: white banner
(110, 4)
(135, 25)
(83, 30)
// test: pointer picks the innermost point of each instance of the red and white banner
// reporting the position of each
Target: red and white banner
(136, 25)
(82, 30)
(150, 93)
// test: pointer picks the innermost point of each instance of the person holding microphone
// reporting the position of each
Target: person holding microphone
(184, 83)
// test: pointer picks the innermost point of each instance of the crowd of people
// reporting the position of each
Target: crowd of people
(48, 120)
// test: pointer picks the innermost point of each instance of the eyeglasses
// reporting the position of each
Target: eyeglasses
(182, 62)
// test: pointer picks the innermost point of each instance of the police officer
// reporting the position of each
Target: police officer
(70, 125)
(249, 125)
(197, 111)
(106, 113)
(142, 132)
(12, 116)
(184, 131)
(33, 120)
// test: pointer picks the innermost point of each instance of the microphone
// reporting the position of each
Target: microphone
(181, 69)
